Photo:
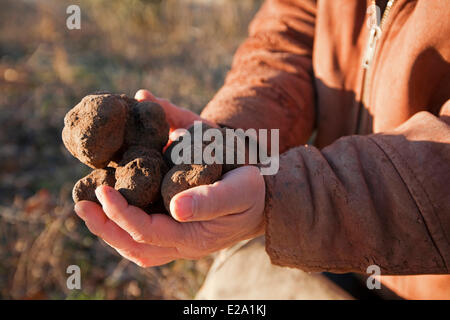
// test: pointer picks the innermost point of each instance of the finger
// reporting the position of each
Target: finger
(176, 116)
(144, 95)
(156, 229)
(99, 224)
(176, 134)
(146, 261)
(235, 193)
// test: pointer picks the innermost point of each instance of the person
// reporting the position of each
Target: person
(372, 188)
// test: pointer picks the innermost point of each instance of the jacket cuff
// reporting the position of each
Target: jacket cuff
(281, 216)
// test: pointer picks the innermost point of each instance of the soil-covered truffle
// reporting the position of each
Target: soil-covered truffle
(139, 180)
(84, 189)
(147, 126)
(171, 158)
(138, 152)
(126, 137)
(185, 176)
(230, 147)
(94, 129)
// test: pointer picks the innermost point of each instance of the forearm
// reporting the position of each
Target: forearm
(270, 84)
(378, 199)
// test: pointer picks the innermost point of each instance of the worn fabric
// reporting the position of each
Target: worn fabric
(245, 272)
(374, 187)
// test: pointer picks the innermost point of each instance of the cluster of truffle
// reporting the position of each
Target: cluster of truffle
(122, 140)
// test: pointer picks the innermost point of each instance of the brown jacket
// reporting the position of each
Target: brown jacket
(375, 188)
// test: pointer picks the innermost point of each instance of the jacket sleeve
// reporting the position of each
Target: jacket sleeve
(380, 199)
(270, 84)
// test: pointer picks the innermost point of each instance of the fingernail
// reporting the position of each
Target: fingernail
(176, 134)
(141, 94)
(78, 210)
(99, 193)
(184, 207)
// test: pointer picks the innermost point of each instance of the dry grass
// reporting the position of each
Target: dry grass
(178, 49)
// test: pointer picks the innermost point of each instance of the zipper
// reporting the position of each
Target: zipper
(375, 33)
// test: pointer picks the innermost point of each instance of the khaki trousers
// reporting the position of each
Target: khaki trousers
(245, 272)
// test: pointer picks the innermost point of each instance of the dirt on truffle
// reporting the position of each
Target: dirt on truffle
(231, 147)
(147, 126)
(84, 189)
(139, 152)
(171, 159)
(94, 129)
(139, 180)
(128, 136)
(185, 176)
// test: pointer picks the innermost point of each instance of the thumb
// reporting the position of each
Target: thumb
(235, 193)
(144, 95)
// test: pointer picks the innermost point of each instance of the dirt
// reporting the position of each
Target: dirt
(226, 167)
(167, 153)
(84, 189)
(232, 149)
(127, 136)
(147, 126)
(185, 176)
(139, 180)
(94, 129)
(123, 140)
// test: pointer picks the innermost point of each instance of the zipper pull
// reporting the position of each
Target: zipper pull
(374, 36)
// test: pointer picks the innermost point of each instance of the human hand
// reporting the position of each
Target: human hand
(207, 218)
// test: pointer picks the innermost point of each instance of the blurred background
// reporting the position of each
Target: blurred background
(178, 49)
